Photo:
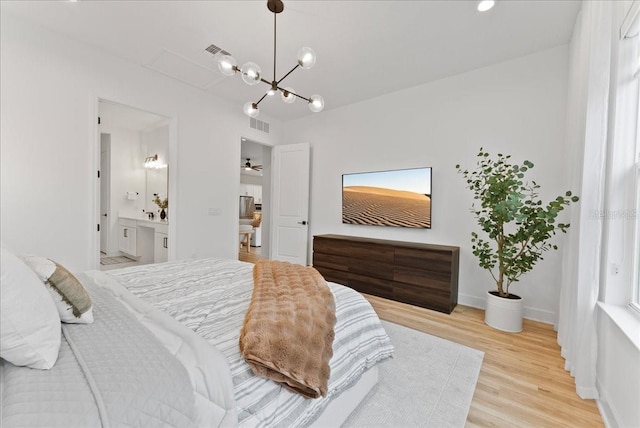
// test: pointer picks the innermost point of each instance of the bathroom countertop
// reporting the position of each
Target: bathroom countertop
(145, 219)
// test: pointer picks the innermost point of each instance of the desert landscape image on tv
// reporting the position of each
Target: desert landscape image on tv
(400, 198)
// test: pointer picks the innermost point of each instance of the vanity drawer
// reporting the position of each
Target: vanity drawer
(162, 228)
(128, 222)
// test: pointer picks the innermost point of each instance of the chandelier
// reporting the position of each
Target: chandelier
(252, 74)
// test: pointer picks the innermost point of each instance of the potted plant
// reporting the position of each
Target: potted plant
(518, 228)
(162, 204)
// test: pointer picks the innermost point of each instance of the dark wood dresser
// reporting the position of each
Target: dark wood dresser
(419, 274)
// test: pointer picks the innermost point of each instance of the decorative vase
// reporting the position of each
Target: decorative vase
(504, 313)
(163, 214)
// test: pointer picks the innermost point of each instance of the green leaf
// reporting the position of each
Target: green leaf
(517, 223)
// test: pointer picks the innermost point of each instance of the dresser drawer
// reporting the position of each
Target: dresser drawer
(371, 253)
(433, 261)
(330, 246)
(330, 261)
(373, 286)
(332, 275)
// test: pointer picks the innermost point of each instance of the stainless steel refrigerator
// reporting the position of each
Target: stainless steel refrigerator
(247, 207)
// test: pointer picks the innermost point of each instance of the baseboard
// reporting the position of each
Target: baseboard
(541, 315)
(606, 412)
(473, 301)
(530, 313)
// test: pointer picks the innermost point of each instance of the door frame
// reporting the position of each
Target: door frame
(267, 220)
(173, 166)
(105, 230)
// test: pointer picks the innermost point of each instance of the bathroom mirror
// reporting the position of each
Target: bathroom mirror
(157, 184)
(155, 148)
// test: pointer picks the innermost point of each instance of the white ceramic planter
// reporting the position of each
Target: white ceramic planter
(503, 313)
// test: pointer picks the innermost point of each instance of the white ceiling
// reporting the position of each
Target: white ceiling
(251, 150)
(364, 48)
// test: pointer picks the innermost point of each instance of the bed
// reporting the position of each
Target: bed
(163, 351)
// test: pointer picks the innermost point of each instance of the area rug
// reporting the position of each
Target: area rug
(429, 383)
(115, 260)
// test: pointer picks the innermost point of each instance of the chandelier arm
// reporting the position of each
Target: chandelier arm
(263, 97)
(294, 94)
(290, 71)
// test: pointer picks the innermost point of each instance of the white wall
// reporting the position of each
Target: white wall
(618, 368)
(251, 179)
(49, 157)
(516, 107)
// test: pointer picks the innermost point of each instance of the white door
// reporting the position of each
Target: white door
(105, 167)
(290, 207)
(161, 247)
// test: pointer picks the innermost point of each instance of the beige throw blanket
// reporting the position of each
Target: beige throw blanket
(287, 334)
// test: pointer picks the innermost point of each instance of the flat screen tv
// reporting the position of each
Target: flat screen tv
(400, 198)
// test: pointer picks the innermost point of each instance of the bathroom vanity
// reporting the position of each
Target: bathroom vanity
(145, 239)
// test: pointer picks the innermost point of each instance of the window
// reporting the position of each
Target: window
(622, 262)
(635, 301)
(633, 33)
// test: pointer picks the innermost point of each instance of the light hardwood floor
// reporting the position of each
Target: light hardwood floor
(253, 255)
(522, 381)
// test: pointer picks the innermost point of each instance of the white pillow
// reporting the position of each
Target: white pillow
(71, 298)
(29, 323)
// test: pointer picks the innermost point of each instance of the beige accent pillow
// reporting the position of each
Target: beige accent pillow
(71, 298)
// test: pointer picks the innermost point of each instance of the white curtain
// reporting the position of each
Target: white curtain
(587, 115)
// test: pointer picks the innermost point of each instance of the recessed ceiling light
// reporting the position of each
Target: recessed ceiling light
(485, 5)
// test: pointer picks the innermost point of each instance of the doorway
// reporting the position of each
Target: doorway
(254, 200)
(134, 157)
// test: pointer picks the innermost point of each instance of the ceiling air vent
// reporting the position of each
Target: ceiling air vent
(259, 125)
(215, 50)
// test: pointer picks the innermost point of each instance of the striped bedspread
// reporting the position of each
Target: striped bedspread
(211, 296)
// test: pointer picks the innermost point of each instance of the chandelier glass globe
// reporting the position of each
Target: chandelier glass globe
(227, 65)
(316, 103)
(306, 58)
(250, 109)
(287, 95)
(251, 73)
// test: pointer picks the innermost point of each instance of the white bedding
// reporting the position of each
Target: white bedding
(111, 373)
(211, 296)
(206, 366)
